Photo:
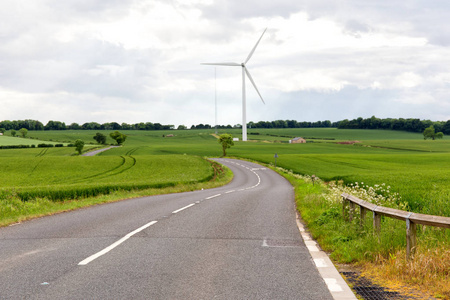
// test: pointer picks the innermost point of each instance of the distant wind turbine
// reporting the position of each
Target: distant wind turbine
(244, 71)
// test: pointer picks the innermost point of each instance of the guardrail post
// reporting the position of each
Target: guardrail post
(363, 213)
(410, 238)
(351, 210)
(344, 208)
(376, 223)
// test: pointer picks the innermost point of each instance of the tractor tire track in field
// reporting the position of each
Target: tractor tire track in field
(42, 153)
(127, 163)
(35, 167)
(132, 151)
(104, 172)
(123, 166)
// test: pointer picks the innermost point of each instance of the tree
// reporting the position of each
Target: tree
(2, 130)
(55, 125)
(100, 138)
(23, 132)
(446, 128)
(13, 132)
(79, 144)
(74, 126)
(118, 137)
(226, 140)
(430, 133)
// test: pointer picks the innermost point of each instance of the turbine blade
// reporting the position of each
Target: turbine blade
(251, 79)
(223, 64)
(254, 48)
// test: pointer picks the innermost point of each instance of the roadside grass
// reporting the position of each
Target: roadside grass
(14, 210)
(382, 257)
(429, 270)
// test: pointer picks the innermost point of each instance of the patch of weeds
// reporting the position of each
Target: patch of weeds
(327, 216)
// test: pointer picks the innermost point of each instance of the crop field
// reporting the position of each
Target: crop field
(418, 169)
(9, 140)
(421, 179)
(59, 178)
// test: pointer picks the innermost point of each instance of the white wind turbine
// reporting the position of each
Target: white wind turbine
(244, 71)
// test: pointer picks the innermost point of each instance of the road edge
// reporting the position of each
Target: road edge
(337, 286)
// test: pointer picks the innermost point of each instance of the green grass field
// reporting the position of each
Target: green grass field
(412, 166)
(60, 178)
(9, 140)
(55, 179)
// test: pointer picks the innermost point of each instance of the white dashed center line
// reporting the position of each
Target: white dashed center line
(114, 245)
(183, 208)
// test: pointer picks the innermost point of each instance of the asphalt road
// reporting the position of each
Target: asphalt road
(95, 152)
(240, 241)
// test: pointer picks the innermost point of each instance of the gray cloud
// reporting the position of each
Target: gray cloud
(318, 60)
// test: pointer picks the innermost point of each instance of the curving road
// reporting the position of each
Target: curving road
(239, 241)
(95, 152)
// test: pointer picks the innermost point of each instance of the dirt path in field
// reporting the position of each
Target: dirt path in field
(95, 152)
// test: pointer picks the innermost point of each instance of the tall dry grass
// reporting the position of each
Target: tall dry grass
(429, 270)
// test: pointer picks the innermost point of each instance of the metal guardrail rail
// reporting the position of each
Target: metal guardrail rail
(411, 219)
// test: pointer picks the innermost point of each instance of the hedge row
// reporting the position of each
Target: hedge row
(31, 146)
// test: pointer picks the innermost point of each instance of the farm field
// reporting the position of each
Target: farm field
(9, 140)
(60, 178)
(411, 166)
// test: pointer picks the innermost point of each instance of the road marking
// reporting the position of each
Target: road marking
(332, 284)
(230, 192)
(334, 281)
(183, 208)
(312, 248)
(213, 196)
(320, 263)
(114, 245)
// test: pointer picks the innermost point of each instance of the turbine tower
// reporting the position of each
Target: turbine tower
(244, 72)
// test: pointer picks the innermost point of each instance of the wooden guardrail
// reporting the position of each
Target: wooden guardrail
(411, 219)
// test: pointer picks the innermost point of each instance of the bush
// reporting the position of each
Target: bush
(45, 145)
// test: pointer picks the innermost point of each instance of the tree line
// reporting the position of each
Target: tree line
(413, 125)
(58, 125)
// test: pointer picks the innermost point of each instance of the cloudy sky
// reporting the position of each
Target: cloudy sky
(139, 60)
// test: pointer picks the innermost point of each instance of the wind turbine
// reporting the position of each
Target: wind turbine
(244, 71)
